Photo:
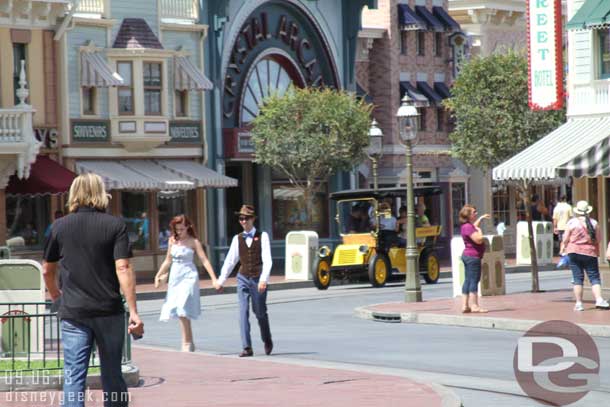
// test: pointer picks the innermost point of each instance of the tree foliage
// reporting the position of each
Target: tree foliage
(490, 107)
(309, 134)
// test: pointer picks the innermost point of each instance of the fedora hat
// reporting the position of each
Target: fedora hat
(246, 210)
(582, 208)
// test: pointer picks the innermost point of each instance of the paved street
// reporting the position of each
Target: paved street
(317, 328)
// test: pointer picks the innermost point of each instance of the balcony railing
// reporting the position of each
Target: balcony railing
(17, 131)
(97, 8)
(176, 10)
(590, 99)
(179, 10)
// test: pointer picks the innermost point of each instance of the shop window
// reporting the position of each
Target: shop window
(440, 116)
(169, 204)
(289, 212)
(181, 103)
(404, 38)
(604, 42)
(19, 54)
(152, 88)
(438, 44)
(421, 119)
(125, 91)
(28, 220)
(89, 99)
(135, 212)
(420, 44)
(458, 200)
(501, 206)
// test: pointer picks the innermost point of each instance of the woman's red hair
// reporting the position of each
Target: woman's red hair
(182, 220)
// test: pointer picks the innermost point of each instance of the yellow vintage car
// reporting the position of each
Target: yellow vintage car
(369, 243)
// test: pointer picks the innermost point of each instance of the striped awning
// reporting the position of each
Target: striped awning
(188, 77)
(201, 175)
(432, 22)
(593, 14)
(95, 71)
(578, 147)
(430, 93)
(154, 175)
(420, 100)
(408, 19)
(441, 14)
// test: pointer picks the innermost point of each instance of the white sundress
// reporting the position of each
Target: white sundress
(182, 299)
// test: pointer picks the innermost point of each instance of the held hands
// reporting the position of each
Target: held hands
(217, 286)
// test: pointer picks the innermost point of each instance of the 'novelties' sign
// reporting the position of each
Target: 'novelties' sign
(545, 76)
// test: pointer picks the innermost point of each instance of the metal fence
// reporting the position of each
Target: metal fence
(30, 339)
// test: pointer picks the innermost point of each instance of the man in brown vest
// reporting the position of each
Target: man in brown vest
(253, 250)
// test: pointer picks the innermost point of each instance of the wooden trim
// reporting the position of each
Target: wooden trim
(21, 36)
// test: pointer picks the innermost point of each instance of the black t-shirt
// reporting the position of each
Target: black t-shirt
(86, 244)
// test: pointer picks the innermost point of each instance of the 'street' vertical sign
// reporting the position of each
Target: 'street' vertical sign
(545, 61)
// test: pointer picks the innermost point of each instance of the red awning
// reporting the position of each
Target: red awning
(46, 177)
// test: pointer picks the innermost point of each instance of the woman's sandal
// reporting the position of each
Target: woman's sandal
(466, 310)
(479, 310)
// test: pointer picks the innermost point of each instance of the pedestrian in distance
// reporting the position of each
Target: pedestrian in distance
(253, 250)
(581, 244)
(561, 215)
(90, 248)
(472, 255)
(182, 299)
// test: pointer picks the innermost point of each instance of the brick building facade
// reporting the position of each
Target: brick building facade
(406, 46)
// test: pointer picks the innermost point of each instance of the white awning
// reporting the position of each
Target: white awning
(201, 175)
(557, 154)
(188, 77)
(96, 72)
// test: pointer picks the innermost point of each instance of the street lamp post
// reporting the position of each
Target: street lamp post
(407, 128)
(375, 148)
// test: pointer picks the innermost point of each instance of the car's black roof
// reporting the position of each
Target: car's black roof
(385, 192)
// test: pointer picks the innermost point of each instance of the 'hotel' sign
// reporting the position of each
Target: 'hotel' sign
(545, 76)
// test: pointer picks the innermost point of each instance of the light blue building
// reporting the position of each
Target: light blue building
(132, 95)
(255, 47)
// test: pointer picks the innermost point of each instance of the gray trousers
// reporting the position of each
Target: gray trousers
(247, 290)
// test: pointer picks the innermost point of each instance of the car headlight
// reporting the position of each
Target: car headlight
(364, 249)
(324, 251)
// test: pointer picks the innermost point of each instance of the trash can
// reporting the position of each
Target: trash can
(301, 249)
(21, 294)
(457, 265)
(492, 268)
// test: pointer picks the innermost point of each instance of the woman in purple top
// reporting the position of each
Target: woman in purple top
(473, 253)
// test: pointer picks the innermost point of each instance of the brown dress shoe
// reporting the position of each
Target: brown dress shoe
(246, 353)
(268, 348)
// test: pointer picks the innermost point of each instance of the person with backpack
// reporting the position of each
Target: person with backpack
(581, 244)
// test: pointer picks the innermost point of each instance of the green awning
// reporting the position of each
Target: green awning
(592, 14)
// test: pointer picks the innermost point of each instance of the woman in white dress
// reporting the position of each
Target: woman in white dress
(182, 299)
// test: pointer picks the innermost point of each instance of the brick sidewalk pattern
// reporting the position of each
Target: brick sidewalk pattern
(170, 378)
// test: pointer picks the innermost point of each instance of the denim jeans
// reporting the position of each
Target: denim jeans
(472, 274)
(579, 263)
(77, 338)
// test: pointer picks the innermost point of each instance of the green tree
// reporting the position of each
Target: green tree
(494, 122)
(309, 134)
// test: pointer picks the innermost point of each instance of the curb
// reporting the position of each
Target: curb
(43, 381)
(159, 295)
(504, 324)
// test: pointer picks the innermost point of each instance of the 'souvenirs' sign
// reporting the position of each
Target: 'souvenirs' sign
(545, 60)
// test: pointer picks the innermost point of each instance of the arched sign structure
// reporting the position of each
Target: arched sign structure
(277, 45)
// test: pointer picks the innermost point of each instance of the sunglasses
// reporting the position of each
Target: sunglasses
(244, 218)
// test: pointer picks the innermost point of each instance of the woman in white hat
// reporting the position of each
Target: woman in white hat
(581, 244)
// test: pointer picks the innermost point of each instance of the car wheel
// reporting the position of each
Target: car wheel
(321, 273)
(379, 269)
(429, 266)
